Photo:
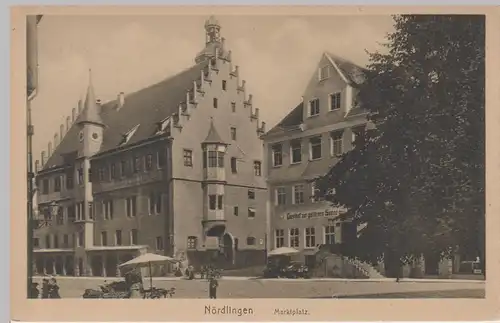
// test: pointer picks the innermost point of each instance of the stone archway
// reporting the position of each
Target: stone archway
(228, 248)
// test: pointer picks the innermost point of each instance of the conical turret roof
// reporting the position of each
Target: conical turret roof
(213, 136)
(91, 113)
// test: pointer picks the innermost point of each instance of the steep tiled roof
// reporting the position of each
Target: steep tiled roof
(353, 72)
(293, 119)
(145, 108)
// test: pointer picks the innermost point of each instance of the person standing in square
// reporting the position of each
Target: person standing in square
(212, 290)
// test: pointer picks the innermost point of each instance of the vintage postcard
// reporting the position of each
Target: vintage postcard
(255, 163)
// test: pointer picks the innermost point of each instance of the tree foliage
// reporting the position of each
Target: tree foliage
(416, 177)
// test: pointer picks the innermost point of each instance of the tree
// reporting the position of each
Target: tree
(415, 180)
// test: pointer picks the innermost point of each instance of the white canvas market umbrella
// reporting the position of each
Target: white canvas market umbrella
(147, 260)
(283, 251)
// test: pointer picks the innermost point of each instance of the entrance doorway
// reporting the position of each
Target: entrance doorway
(227, 248)
(432, 263)
(111, 263)
(70, 265)
(96, 265)
(59, 265)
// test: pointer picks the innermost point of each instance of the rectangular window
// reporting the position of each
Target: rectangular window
(134, 237)
(298, 194)
(56, 241)
(251, 194)
(279, 238)
(324, 72)
(192, 242)
(89, 175)
(251, 212)
(234, 169)
(131, 206)
(315, 193)
(107, 209)
(329, 234)
(155, 203)
(233, 106)
(188, 158)
(335, 101)
(315, 148)
(136, 164)
(60, 216)
(310, 237)
(224, 85)
(220, 159)
(216, 102)
(257, 168)
(277, 155)
(159, 243)
(47, 241)
(80, 238)
(104, 238)
(71, 213)
(69, 180)
(112, 171)
(280, 196)
(212, 202)
(336, 139)
(212, 159)
(36, 242)
(45, 186)
(65, 241)
(118, 238)
(296, 151)
(149, 162)
(220, 202)
(57, 184)
(123, 168)
(101, 174)
(80, 211)
(162, 158)
(90, 206)
(233, 133)
(235, 210)
(314, 107)
(80, 176)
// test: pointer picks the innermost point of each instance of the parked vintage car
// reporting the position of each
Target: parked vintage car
(273, 271)
(296, 270)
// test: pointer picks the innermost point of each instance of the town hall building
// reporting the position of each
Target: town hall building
(176, 168)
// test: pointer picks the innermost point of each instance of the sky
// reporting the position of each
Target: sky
(277, 55)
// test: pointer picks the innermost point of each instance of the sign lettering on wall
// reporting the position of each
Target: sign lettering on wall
(328, 213)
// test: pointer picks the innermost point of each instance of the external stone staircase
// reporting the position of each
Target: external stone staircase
(366, 269)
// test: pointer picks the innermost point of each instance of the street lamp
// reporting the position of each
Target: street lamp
(48, 213)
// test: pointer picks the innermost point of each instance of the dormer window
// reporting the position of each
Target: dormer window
(128, 135)
(163, 126)
(324, 72)
(314, 107)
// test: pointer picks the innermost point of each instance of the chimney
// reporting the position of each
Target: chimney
(73, 115)
(256, 113)
(49, 150)
(250, 97)
(222, 42)
(61, 132)
(56, 140)
(98, 101)
(37, 166)
(43, 158)
(80, 106)
(121, 100)
(68, 123)
(228, 56)
(263, 126)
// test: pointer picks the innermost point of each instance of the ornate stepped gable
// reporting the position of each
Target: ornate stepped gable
(159, 108)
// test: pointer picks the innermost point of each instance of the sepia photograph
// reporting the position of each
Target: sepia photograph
(231, 156)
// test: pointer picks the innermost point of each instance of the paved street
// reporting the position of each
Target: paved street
(286, 288)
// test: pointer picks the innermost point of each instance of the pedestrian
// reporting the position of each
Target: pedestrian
(45, 288)
(53, 289)
(212, 288)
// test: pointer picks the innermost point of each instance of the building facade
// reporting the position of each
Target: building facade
(305, 145)
(175, 168)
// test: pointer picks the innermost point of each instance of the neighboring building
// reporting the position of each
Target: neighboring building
(304, 146)
(175, 168)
